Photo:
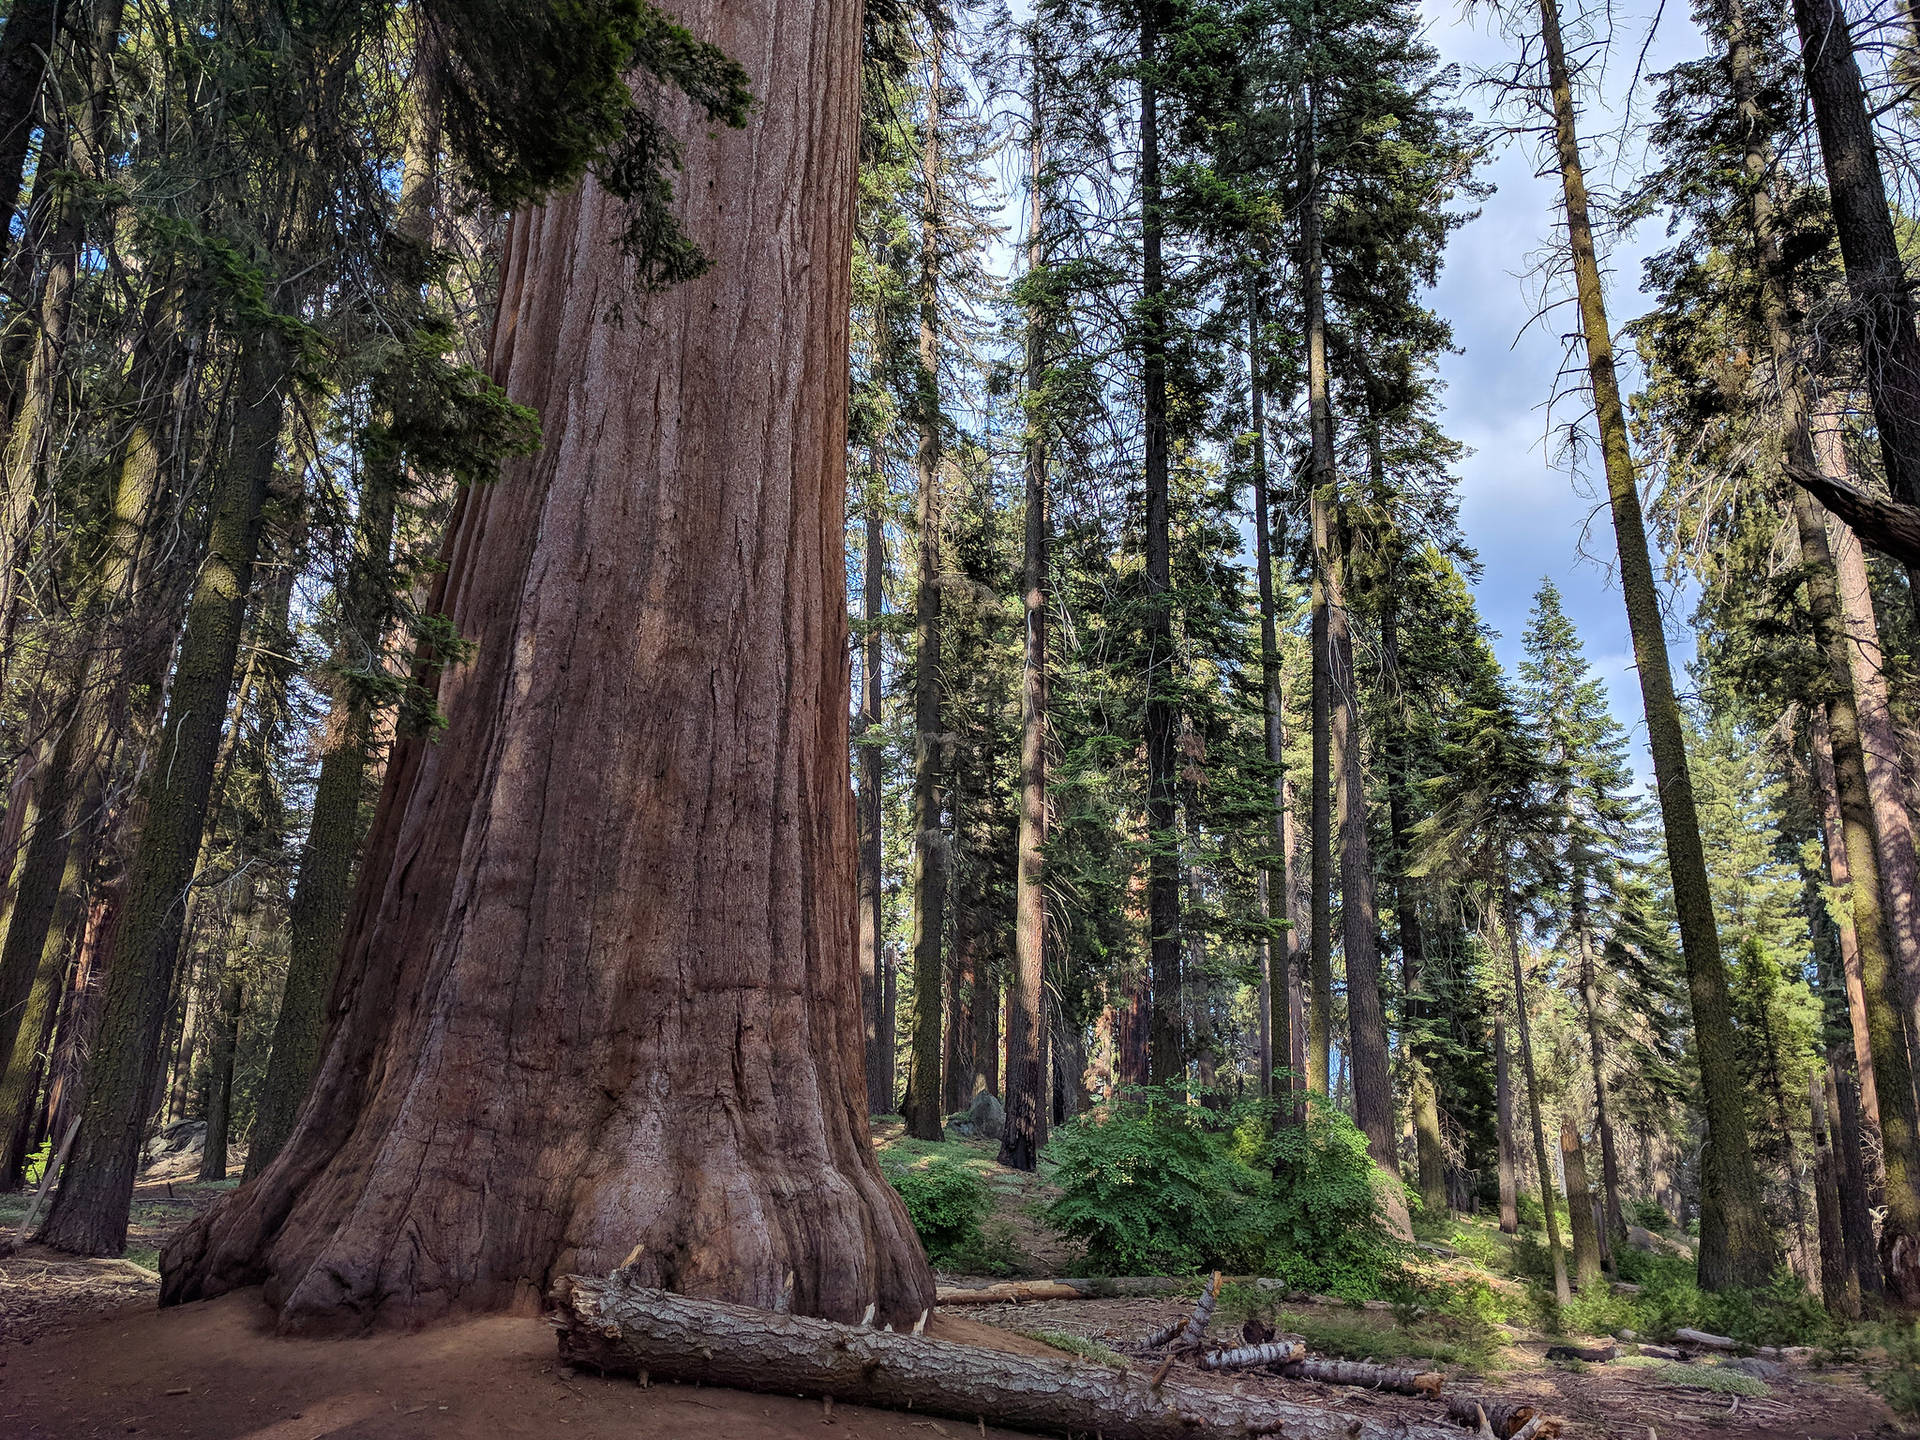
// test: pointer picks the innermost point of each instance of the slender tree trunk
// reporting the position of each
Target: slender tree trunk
(879, 1048)
(1503, 1122)
(1863, 221)
(1026, 1081)
(1839, 1287)
(1429, 1150)
(957, 1063)
(1840, 876)
(673, 1086)
(89, 1214)
(1736, 1244)
(1277, 962)
(986, 1026)
(1615, 1234)
(1880, 747)
(1856, 1219)
(1885, 997)
(1586, 1235)
(231, 992)
(1359, 914)
(1547, 1202)
(929, 877)
(25, 1062)
(1166, 1045)
(1321, 482)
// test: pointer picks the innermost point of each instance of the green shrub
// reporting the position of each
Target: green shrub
(1596, 1310)
(1649, 1215)
(1153, 1185)
(1899, 1383)
(1322, 1218)
(946, 1202)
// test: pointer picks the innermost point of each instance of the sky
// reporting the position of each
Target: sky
(1522, 510)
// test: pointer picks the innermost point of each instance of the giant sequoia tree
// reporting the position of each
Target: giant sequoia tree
(598, 1003)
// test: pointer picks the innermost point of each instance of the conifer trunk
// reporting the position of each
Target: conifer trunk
(1278, 963)
(1840, 876)
(1856, 1219)
(1839, 1287)
(1736, 1243)
(1166, 1043)
(879, 1048)
(231, 992)
(1503, 1129)
(1561, 1290)
(1586, 1235)
(1359, 914)
(1615, 1231)
(89, 1214)
(1429, 1149)
(1321, 482)
(539, 1067)
(1863, 222)
(1026, 1081)
(928, 880)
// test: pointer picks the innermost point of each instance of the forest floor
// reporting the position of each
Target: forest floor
(84, 1352)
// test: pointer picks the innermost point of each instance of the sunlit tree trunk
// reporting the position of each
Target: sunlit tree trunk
(1503, 1123)
(1321, 482)
(1736, 1244)
(89, 1214)
(928, 880)
(879, 1046)
(1863, 223)
(1166, 1044)
(1027, 1080)
(538, 1066)
(1586, 1235)
(1562, 1292)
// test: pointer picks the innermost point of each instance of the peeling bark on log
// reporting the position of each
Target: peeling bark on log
(1012, 1293)
(1202, 1312)
(1358, 1373)
(1505, 1420)
(618, 1327)
(1245, 1357)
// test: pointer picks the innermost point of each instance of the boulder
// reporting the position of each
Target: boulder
(988, 1116)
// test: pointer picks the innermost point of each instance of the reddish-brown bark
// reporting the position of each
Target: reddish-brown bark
(598, 1001)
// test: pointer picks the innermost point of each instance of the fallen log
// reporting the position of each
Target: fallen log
(1245, 1357)
(1013, 1292)
(1202, 1312)
(618, 1327)
(1505, 1420)
(1363, 1375)
(1660, 1352)
(1596, 1354)
(1701, 1340)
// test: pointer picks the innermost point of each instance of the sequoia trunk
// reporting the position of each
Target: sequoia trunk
(598, 1003)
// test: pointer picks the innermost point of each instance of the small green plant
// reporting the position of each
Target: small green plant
(946, 1203)
(1649, 1215)
(1077, 1345)
(1718, 1379)
(37, 1162)
(1899, 1383)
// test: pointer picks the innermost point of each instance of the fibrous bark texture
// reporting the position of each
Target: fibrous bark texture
(618, 1327)
(598, 996)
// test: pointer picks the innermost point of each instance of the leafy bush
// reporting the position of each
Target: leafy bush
(1155, 1186)
(946, 1203)
(1596, 1310)
(1649, 1215)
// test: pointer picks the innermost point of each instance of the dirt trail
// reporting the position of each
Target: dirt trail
(211, 1372)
